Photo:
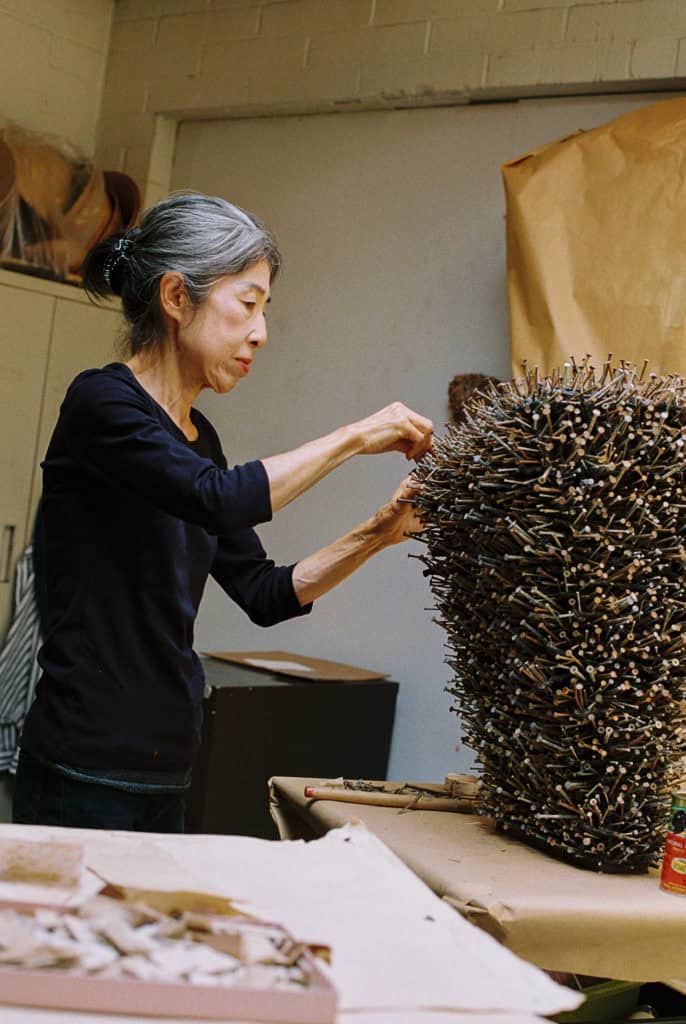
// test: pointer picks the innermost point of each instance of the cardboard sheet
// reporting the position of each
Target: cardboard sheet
(34, 873)
(552, 914)
(398, 950)
(298, 666)
(596, 261)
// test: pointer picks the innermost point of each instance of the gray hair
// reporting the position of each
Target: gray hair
(201, 237)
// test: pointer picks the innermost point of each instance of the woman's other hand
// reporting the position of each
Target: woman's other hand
(394, 522)
(398, 519)
(395, 428)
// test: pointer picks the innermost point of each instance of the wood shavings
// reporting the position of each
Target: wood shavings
(32, 945)
(113, 939)
(164, 902)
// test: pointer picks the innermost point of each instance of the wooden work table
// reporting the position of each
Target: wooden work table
(550, 913)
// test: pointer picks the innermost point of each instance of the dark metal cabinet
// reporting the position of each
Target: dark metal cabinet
(258, 724)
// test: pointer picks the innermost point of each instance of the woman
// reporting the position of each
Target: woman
(139, 508)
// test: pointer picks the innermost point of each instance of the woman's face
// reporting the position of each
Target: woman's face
(217, 341)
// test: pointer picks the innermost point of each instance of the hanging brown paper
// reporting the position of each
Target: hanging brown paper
(596, 244)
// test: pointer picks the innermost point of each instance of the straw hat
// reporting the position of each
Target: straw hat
(64, 203)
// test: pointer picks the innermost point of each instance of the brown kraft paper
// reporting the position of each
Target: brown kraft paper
(596, 244)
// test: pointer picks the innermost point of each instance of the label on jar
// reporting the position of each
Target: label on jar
(673, 876)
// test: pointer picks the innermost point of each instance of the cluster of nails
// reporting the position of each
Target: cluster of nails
(556, 551)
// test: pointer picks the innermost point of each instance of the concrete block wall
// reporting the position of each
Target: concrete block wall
(52, 65)
(187, 59)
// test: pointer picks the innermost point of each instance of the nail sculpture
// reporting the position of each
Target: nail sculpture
(556, 552)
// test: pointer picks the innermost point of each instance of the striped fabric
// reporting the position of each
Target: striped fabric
(19, 669)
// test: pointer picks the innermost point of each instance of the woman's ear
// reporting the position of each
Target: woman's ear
(173, 296)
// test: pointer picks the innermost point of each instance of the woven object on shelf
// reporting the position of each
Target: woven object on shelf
(55, 204)
(461, 389)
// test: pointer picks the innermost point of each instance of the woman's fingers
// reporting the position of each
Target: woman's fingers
(407, 489)
(411, 442)
(399, 518)
(397, 428)
(421, 445)
(420, 436)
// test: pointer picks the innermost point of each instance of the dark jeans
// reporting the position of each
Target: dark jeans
(43, 796)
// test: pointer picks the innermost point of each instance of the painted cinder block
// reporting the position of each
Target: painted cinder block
(19, 39)
(122, 96)
(314, 16)
(572, 63)
(84, 22)
(387, 43)
(512, 68)
(424, 79)
(654, 58)
(110, 157)
(237, 57)
(51, 81)
(499, 32)
(136, 162)
(391, 12)
(536, 5)
(126, 66)
(240, 23)
(233, 94)
(176, 32)
(132, 130)
(133, 36)
(223, 5)
(178, 95)
(76, 61)
(243, 56)
(317, 89)
(130, 10)
(637, 19)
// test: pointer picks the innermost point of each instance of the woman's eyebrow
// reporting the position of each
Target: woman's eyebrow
(257, 287)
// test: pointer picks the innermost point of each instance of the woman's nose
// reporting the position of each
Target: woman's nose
(258, 335)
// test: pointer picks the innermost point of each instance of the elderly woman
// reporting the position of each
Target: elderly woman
(139, 508)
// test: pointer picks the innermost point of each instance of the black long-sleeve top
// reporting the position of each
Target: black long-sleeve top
(134, 519)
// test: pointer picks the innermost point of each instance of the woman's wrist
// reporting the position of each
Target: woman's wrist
(375, 533)
(349, 440)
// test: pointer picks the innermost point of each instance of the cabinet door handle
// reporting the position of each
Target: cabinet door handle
(6, 554)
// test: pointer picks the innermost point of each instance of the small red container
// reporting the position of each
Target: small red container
(673, 877)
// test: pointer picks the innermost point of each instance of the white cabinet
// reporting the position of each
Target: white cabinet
(48, 332)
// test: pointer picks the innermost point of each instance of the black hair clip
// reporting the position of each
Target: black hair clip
(120, 251)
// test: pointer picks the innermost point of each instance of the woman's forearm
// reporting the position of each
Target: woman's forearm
(326, 568)
(292, 473)
(394, 428)
(395, 522)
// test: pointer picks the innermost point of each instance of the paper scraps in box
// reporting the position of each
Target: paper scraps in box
(110, 939)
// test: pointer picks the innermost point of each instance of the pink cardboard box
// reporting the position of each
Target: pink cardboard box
(54, 988)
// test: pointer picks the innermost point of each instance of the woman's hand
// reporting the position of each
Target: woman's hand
(398, 519)
(393, 523)
(395, 429)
